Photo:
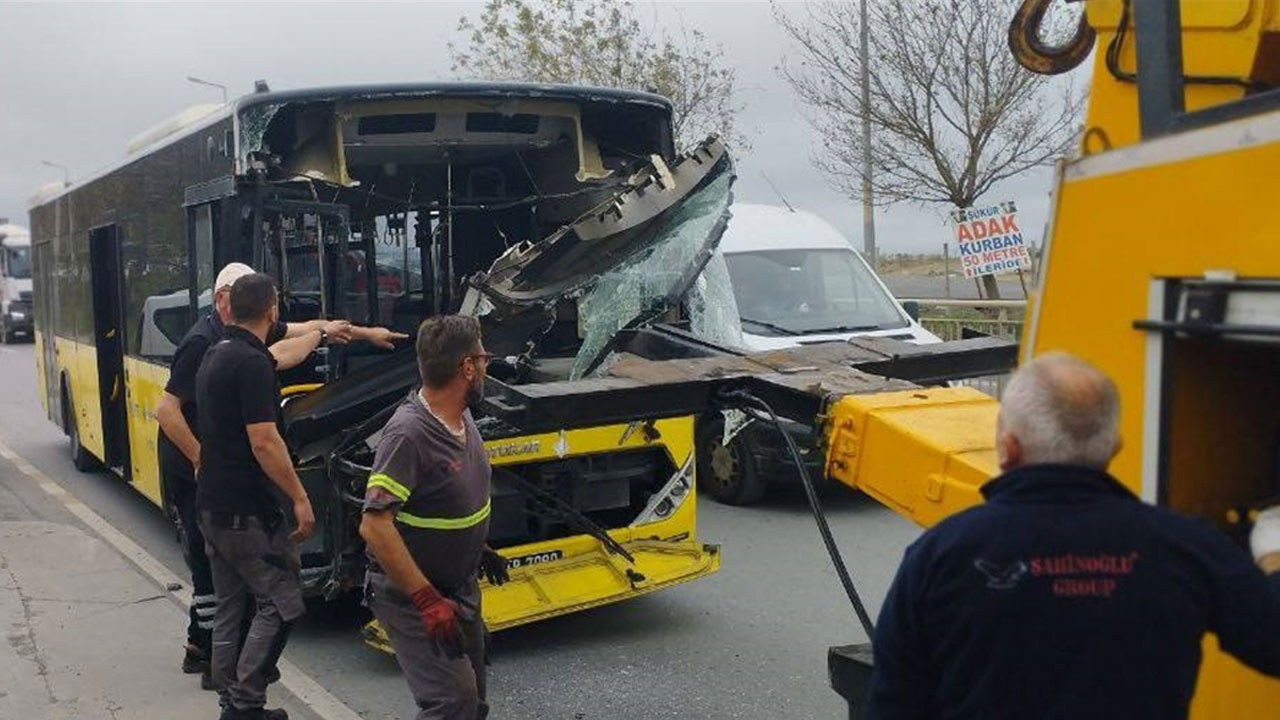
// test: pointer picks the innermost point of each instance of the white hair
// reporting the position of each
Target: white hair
(1062, 410)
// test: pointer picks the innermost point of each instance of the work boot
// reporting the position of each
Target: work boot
(194, 660)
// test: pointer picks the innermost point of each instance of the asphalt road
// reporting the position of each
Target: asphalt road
(748, 642)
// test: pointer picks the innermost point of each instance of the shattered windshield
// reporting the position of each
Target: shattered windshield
(713, 311)
(254, 121)
(792, 292)
(643, 286)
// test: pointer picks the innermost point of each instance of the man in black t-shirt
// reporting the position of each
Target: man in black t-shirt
(178, 441)
(247, 540)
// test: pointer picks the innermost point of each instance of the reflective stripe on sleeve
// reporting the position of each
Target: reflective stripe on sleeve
(386, 482)
(461, 523)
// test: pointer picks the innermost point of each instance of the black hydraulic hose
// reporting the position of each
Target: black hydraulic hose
(819, 516)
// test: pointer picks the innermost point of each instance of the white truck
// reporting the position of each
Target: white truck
(15, 282)
(796, 281)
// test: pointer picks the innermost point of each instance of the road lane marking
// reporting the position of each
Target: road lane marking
(301, 685)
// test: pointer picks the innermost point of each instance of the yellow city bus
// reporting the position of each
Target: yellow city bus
(519, 204)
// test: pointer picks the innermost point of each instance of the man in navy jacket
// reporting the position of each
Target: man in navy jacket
(1064, 596)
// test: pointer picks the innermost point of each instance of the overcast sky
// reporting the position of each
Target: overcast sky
(78, 81)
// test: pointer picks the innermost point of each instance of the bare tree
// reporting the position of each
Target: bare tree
(602, 43)
(951, 111)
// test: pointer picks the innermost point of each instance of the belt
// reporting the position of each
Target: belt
(237, 521)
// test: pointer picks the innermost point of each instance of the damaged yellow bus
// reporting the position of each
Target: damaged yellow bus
(562, 217)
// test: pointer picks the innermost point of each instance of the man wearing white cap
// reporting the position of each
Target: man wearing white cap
(178, 443)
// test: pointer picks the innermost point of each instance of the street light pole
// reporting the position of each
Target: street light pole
(66, 174)
(220, 86)
(868, 205)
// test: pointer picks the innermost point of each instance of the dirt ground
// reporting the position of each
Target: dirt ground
(906, 264)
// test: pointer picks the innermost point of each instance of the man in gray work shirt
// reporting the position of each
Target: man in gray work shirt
(426, 519)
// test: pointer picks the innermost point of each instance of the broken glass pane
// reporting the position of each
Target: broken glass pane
(641, 288)
(713, 310)
(254, 121)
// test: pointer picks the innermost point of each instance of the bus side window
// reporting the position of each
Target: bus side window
(203, 225)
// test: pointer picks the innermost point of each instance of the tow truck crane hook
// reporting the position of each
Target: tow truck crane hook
(1039, 57)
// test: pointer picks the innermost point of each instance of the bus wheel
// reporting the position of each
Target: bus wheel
(727, 472)
(83, 460)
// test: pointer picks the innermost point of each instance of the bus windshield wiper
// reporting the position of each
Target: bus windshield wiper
(769, 325)
(569, 514)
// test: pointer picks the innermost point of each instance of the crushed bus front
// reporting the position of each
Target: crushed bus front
(589, 517)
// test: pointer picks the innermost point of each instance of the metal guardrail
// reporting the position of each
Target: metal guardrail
(948, 319)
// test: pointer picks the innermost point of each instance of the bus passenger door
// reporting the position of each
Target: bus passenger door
(42, 310)
(108, 314)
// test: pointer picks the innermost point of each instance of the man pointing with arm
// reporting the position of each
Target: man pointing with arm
(178, 444)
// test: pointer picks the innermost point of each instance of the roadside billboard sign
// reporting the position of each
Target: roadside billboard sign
(989, 240)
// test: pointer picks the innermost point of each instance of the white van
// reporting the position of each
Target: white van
(165, 321)
(796, 280)
(15, 282)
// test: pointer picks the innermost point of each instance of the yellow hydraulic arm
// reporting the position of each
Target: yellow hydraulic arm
(923, 453)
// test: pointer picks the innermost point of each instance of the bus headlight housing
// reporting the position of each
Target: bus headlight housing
(666, 501)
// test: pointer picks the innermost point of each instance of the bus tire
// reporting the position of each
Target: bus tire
(81, 458)
(727, 472)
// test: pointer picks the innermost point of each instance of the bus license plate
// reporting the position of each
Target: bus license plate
(534, 559)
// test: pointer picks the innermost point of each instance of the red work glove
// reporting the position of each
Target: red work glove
(440, 616)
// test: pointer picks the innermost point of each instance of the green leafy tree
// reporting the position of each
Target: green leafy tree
(594, 42)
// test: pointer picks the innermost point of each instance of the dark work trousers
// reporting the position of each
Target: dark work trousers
(182, 498)
(246, 554)
(444, 687)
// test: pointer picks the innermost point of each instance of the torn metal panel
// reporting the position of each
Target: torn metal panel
(612, 232)
(626, 261)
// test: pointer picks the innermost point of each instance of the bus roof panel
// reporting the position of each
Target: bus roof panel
(564, 93)
(472, 89)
